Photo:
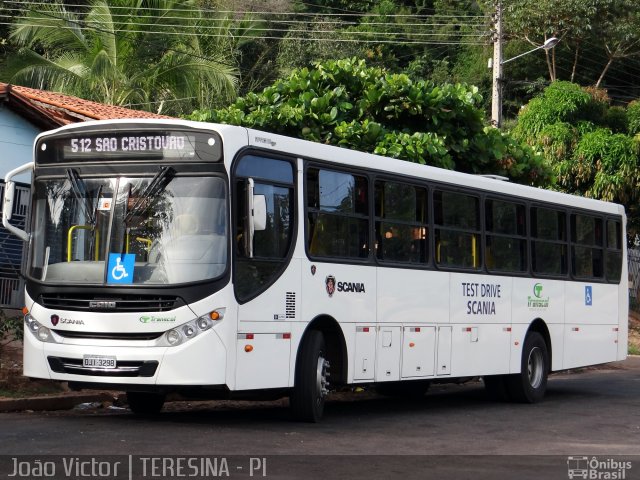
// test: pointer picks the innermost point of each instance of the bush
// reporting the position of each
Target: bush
(11, 328)
(633, 117)
(616, 119)
(349, 104)
(560, 102)
(607, 164)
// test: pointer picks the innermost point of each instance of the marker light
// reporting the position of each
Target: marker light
(25, 310)
(248, 348)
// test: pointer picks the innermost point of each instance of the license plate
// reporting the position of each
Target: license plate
(98, 361)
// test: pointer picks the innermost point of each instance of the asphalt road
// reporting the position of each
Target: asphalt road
(454, 432)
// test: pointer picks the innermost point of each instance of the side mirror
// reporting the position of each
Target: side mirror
(256, 215)
(259, 212)
(9, 197)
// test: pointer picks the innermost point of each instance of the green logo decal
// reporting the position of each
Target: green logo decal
(152, 319)
(537, 290)
(537, 301)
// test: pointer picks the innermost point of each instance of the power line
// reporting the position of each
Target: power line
(264, 37)
(479, 26)
(243, 12)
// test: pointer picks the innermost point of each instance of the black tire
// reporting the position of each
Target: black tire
(530, 384)
(496, 387)
(310, 388)
(145, 403)
(414, 389)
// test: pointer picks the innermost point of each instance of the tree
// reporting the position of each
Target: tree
(158, 55)
(589, 144)
(349, 104)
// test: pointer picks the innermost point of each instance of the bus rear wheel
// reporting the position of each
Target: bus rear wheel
(530, 384)
(311, 379)
(145, 403)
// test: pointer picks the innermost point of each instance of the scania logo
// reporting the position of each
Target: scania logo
(104, 305)
(55, 319)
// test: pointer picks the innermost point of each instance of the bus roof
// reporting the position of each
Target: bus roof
(346, 157)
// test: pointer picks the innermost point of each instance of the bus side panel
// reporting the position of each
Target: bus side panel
(591, 328)
(536, 298)
(480, 309)
(268, 318)
(346, 293)
(412, 296)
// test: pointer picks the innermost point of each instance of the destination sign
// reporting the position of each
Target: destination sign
(182, 145)
(130, 145)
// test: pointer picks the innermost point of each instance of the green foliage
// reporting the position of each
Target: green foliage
(587, 144)
(11, 328)
(606, 166)
(616, 119)
(110, 52)
(349, 104)
(633, 117)
(559, 102)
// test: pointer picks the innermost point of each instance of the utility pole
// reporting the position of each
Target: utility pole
(496, 92)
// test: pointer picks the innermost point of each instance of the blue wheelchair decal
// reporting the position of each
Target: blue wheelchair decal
(120, 268)
(588, 295)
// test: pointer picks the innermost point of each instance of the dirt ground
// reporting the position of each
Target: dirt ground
(13, 384)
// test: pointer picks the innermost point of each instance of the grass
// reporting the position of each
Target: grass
(634, 350)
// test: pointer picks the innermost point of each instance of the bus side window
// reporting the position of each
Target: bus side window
(337, 214)
(272, 178)
(587, 252)
(549, 241)
(401, 223)
(614, 251)
(506, 243)
(457, 229)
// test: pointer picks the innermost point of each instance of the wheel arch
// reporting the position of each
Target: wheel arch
(336, 346)
(540, 326)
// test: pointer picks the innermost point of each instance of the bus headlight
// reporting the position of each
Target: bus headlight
(43, 333)
(38, 330)
(173, 337)
(189, 330)
(192, 329)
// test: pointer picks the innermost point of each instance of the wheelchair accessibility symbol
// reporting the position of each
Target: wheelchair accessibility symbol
(121, 268)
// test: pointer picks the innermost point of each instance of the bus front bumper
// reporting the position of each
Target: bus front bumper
(200, 361)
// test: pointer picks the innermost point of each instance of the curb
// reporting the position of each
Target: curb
(52, 402)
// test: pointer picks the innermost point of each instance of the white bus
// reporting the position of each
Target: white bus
(216, 261)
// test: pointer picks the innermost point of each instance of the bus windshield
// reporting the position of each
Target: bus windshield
(158, 229)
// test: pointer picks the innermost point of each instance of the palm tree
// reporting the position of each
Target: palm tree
(166, 56)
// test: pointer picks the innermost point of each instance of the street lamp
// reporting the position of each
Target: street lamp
(496, 98)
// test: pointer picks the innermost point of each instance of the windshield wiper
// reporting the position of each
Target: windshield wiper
(80, 192)
(156, 185)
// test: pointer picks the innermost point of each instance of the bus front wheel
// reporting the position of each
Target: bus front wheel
(145, 403)
(311, 379)
(530, 385)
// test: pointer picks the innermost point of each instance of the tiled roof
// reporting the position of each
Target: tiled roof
(58, 109)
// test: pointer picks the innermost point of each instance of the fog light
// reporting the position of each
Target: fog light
(43, 333)
(173, 337)
(189, 331)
